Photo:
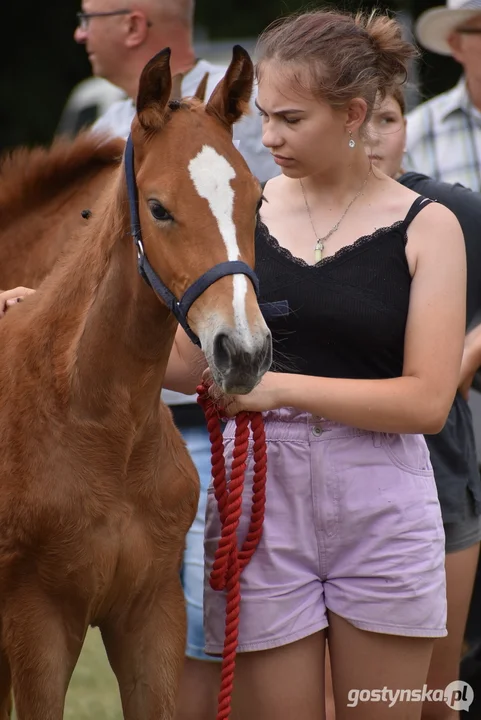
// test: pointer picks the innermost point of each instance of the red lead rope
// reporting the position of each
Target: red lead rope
(230, 560)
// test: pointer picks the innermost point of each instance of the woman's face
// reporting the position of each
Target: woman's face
(387, 137)
(304, 134)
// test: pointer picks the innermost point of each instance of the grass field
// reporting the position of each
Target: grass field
(93, 692)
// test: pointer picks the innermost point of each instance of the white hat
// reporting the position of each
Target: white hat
(435, 25)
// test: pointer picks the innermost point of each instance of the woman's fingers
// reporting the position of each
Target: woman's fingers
(11, 297)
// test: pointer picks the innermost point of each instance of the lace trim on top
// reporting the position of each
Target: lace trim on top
(364, 240)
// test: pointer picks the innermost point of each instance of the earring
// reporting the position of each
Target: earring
(352, 142)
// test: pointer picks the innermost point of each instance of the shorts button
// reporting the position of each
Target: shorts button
(316, 431)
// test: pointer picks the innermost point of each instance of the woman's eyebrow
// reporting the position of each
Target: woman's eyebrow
(280, 112)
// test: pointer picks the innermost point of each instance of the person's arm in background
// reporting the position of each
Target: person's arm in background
(471, 360)
(10, 297)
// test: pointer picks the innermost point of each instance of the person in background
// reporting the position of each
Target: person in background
(444, 133)
(120, 37)
(453, 452)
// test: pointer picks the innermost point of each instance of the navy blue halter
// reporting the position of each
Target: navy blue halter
(181, 307)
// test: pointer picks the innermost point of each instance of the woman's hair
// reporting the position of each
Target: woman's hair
(345, 56)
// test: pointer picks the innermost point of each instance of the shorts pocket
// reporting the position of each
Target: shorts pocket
(407, 452)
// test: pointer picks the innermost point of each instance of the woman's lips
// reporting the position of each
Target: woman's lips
(281, 160)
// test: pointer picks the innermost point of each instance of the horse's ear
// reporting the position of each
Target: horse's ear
(155, 88)
(230, 98)
(201, 88)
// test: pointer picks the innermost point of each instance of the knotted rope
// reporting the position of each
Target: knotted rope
(230, 560)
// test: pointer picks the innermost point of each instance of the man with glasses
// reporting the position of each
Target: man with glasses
(444, 134)
(120, 37)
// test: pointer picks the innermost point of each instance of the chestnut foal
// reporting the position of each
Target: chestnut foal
(97, 490)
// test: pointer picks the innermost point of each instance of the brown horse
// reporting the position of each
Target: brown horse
(42, 196)
(97, 490)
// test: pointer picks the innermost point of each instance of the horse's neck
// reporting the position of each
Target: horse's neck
(125, 346)
(122, 334)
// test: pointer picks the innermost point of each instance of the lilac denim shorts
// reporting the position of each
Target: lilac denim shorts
(352, 525)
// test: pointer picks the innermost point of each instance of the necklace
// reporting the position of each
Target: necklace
(319, 246)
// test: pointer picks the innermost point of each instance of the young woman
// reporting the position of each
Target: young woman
(353, 543)
(453, 452)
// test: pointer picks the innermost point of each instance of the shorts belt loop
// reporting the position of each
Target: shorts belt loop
(377, 439)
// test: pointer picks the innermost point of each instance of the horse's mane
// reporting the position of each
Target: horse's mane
(32, 176)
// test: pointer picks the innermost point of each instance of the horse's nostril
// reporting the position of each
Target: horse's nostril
(222, 352)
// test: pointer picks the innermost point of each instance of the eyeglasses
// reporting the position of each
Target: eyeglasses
(84, 18)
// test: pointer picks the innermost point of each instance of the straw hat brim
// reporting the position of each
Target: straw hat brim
(435, 25)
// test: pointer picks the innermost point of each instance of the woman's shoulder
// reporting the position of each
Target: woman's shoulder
(274, 187)
(276, 198)
(432, 227)
(393, 202)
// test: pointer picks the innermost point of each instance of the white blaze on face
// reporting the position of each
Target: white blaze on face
(212, 175)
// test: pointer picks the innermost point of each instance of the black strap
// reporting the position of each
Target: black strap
(232, 267)
(415, 208)
(180, 308)
(132, 193)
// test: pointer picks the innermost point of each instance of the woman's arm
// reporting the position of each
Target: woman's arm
(420, 400)
(186, 365)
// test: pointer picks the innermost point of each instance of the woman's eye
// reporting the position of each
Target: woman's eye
(158, 211)
(291, 121)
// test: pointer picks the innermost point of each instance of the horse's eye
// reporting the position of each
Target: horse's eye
(158, 211)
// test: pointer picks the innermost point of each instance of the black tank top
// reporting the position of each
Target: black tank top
(347, 314)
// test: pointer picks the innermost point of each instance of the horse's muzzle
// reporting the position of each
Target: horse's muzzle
(236, 368)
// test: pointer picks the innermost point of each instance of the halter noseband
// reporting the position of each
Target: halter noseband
(181, 307)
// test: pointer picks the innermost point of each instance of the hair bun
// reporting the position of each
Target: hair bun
(393, 51)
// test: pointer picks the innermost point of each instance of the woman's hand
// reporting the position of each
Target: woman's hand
(10, 297)
(266, 396)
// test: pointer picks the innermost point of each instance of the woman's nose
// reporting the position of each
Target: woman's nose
(270, 138)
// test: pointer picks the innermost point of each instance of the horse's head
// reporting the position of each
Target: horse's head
(197, 203)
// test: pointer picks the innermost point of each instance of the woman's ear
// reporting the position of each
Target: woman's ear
(356, 114)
